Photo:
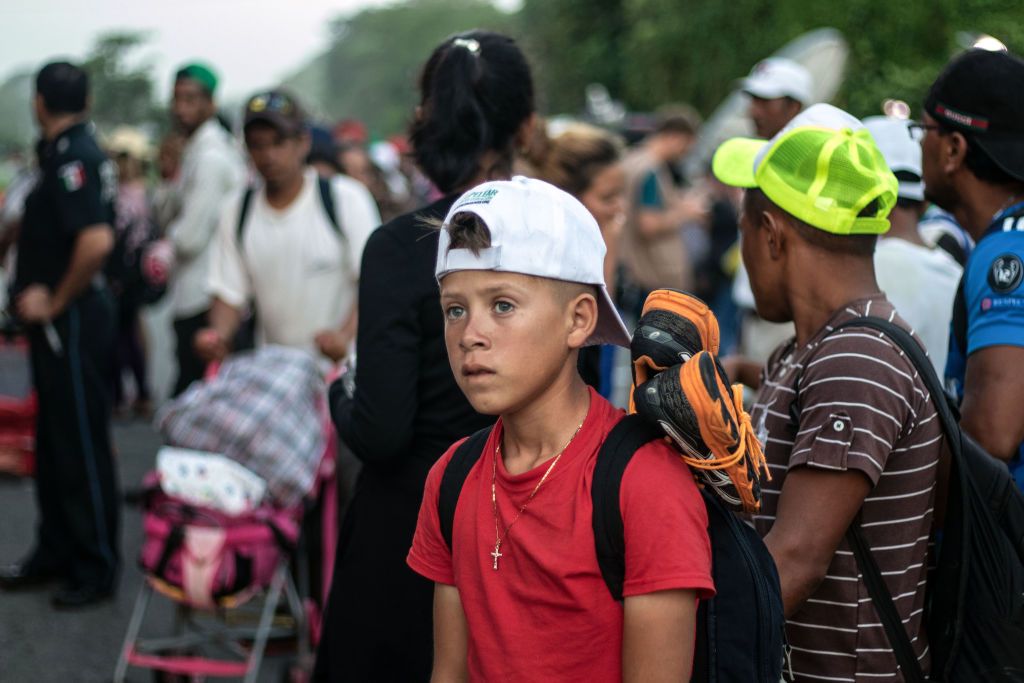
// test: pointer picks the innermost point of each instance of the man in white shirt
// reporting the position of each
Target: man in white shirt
(918, 279)
(291, 246)
(212, 168)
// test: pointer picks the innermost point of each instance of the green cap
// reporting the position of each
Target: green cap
(823, 168)
(200, 73)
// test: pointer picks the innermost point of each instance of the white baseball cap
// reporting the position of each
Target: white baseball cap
(778, 77)
(901, 152)
(536, 229)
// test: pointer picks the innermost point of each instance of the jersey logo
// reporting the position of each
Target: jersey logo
(72, 174)
(1006, 273)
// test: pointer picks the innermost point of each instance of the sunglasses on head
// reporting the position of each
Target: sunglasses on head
(275, 102)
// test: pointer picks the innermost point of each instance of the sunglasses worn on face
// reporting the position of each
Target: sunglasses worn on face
(918, 130)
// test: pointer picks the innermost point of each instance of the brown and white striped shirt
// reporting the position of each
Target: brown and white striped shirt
(862, 407)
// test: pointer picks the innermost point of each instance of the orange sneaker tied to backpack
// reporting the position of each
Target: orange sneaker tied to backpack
(680, 384)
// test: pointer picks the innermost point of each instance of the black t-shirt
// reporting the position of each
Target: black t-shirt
(77, 189)
(407, 408)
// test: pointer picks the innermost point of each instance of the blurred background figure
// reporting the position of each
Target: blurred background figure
(289, 246)
(166, 199)
(211, 169)
(919, 280)
(323, 152)
(134, 231)
(779, 89)
(654, 252)
(61, 297)
(12, 207)
(586, 161)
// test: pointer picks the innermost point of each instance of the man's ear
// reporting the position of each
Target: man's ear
(583, 312)
(770, 229)
(954, 151)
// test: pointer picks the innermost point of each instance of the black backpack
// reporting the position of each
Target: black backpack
(740, 631)
(974, 613)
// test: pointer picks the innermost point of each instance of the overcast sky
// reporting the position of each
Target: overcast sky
(251, 43)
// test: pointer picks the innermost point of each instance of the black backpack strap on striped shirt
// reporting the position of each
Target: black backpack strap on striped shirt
(880, 594)
(462, 461)
(622, 442)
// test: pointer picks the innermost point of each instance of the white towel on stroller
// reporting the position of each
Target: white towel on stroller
(209, 479)
(261, 410)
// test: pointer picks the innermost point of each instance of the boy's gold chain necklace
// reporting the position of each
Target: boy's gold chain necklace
(499, 538)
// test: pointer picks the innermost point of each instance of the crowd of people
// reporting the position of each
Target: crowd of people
(481, 275)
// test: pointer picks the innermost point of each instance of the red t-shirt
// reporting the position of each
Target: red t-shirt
(546, 613)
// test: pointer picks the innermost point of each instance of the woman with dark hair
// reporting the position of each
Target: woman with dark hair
(476, 108)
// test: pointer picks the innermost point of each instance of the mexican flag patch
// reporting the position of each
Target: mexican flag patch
(72, 174)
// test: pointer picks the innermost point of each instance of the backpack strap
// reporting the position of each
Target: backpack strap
(873, 580)
(622, 442)
(243, 214)
(327, 199)
(916, 354)
(455, 473)
(884, 605)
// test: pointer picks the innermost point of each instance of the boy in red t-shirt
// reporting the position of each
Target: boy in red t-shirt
(520, 597)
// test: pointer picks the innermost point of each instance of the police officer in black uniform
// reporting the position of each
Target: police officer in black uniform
(60, 297)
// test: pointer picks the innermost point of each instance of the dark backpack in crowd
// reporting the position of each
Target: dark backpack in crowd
(974, 613)
(124, 270)
(740, 631)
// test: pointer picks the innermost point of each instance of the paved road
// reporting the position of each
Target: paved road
(39, 644)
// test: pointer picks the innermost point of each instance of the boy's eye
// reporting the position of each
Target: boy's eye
(503, 307)
(454, 312)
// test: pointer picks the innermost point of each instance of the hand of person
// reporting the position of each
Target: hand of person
(332, 343)
(35, 304)
(210, 345)
(694, 206)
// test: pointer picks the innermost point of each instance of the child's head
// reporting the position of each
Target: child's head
(520, 265)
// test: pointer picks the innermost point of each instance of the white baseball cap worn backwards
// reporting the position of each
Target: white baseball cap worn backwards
(536, 229)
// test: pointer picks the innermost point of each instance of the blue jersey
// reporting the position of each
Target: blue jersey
(989, 306)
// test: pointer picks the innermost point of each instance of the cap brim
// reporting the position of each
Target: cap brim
(762, 89)
(610, 328)
(1007, 152)
(911, 190)
(281, 123)
(733, 163)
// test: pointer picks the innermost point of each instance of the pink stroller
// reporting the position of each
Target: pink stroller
(239, 582)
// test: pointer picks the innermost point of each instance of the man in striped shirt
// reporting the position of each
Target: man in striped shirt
(849, 429)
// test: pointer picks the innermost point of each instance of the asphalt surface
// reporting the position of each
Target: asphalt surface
(38, 643)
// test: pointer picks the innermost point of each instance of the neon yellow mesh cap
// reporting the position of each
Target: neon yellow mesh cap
(823, 168)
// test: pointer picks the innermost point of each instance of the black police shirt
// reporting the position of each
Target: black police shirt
(77, 189)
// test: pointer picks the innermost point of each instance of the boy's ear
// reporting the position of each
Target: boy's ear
(583, 309)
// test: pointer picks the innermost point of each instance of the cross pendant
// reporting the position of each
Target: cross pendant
(496, 554)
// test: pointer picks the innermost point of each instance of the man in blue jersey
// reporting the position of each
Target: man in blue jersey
(973, 158)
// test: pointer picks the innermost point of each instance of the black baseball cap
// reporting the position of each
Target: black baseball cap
(980, 93)
(279, 109)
